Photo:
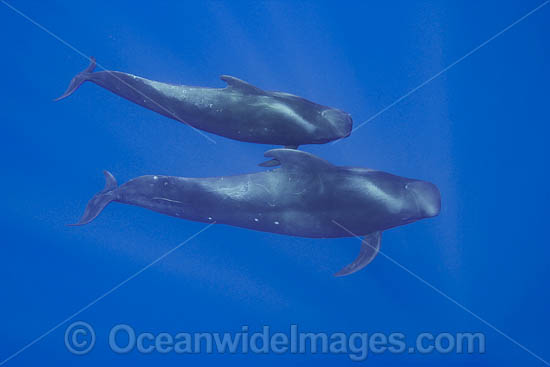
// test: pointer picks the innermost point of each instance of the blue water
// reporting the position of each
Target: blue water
(479, 131)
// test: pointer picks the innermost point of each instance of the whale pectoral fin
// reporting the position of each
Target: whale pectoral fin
(241, 85)
(369, 249)
(298, 159)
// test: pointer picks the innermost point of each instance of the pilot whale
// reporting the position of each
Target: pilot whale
(239, 111)
(306, 196)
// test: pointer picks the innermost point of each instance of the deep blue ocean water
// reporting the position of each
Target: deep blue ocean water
(479, 131)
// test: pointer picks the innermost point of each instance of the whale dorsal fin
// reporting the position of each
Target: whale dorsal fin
(298, 159)
(241, 85)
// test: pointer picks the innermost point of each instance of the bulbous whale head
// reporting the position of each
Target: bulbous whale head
(427, 198)
(386, 200)
(339, 122)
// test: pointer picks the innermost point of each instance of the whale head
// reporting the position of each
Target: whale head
(426, 199)
(387, 200)
(339, 123)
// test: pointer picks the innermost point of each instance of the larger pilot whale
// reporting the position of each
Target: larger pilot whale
(307, 197)
(239, 111)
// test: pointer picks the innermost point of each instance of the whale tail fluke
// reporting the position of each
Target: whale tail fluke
(78, 79)
(99, 201)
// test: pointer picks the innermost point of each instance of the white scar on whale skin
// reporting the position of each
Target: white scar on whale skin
(270, 200)
(234, 192)
(165, 199)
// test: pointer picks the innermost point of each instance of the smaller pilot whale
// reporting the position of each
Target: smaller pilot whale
(239, 111)
(307, 197)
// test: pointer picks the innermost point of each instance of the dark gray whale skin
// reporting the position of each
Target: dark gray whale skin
(240, 111)
(307, 197)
